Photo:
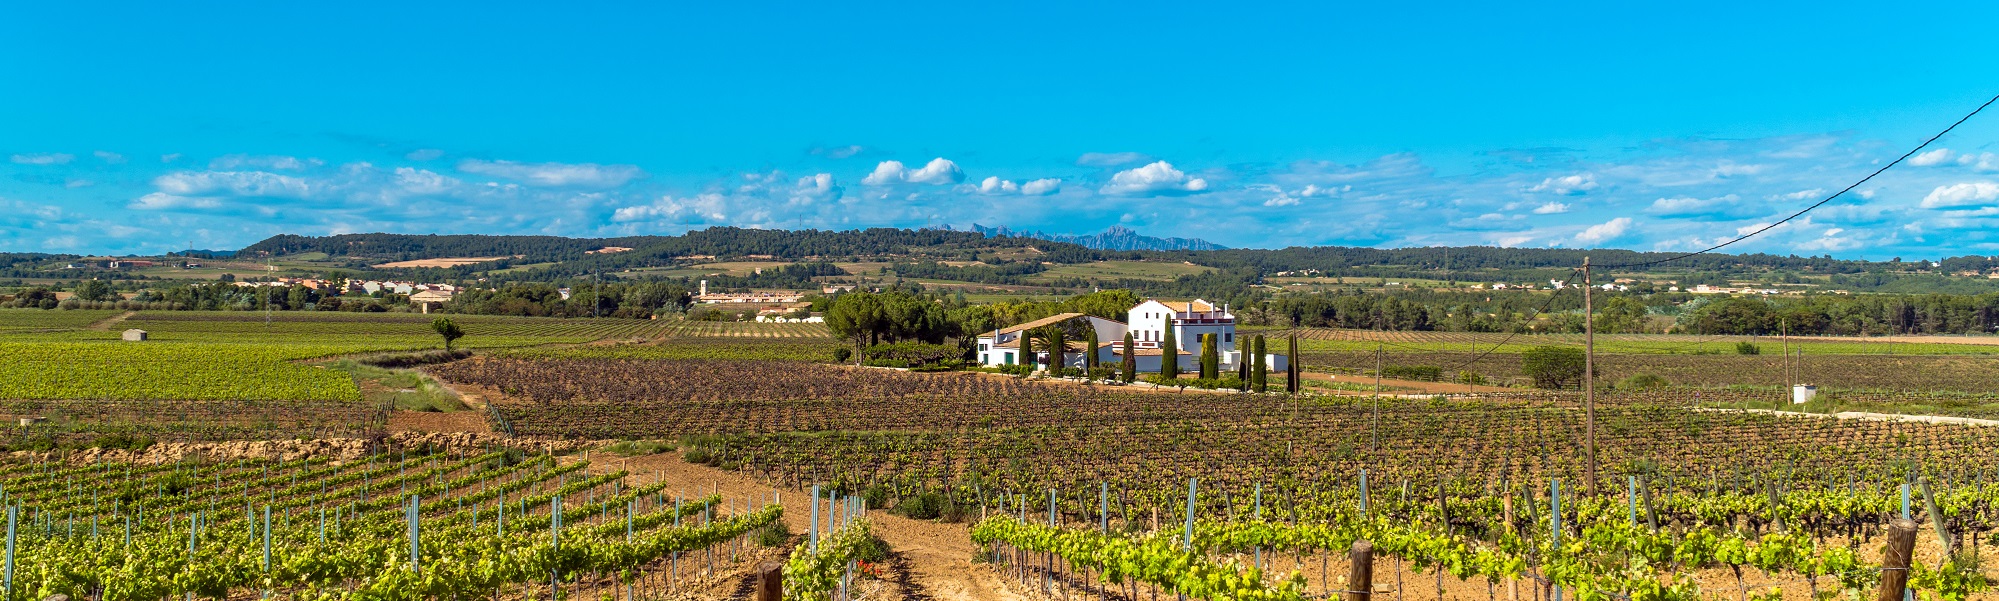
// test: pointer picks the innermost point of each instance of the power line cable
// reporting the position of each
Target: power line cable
(1821, 202)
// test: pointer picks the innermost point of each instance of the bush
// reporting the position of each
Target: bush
(924, 506)
(1553, 367)
(697, 455)
(1421, 373)
(774, 535)
(429, 357)
(911, 353)
(1466, 376)
(630, 448)
(1746, 348)
(1642, 382)
(842, 354)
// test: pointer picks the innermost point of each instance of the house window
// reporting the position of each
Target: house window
(1009, 358)
(982, 347)
(1228, 337)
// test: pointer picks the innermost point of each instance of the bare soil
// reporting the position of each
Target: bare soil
(930, 560)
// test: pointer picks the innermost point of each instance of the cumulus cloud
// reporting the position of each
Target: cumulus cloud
(1811, 194)
(1687, 206)
(44, 158)
(555, 175)
(816, 188)
(1553, 208)
(1567, 184)
(1962, 196)
(233, 183)
(1602, 232)
(994, 186)
(109, 157)
(1931, 158)
(708, 207)
(239, 161)
(938, 171)
(1110, 159)
(424, 154)
(1041, 187)
(1156, 179)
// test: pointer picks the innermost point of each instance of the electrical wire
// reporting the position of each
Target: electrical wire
(1821, 202)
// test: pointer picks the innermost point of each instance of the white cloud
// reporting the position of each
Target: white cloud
(994, 185)
(937, 172)
(1984, 161)
(1931, 158)
(1599, 233)
(1687, 206)
(709, 207)
(233, 183)
(1159, 178)
(79, 183)
(109, 157)
(161, 200)
(555, 175)
(1751, 228)
(44, 158)
(838, 152)
(1311, 190)
(1041, 187)
(424, 154)
(816, 188)
(170, 157)
(1567, 184)
(1963, 195)
(1812, 194)
(1110, 159)
(239, 161)
(1553, 208)
(423, 182)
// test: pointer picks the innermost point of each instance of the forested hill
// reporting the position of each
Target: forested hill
(717, 242)
(1115, 238)
(902, 245)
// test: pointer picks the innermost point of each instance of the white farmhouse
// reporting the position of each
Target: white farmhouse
(1148, 323)
(1002, 346)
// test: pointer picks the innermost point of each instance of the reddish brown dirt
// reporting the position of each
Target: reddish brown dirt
(430, 421)
(932, 560)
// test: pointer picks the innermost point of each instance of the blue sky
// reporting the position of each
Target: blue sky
(142, 128)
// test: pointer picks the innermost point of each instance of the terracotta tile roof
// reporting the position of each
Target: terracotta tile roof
(1052, 319)
(1193, 306)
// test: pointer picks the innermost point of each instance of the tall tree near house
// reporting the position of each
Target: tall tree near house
(1169, 353)
(1260, 366)
(1130, 361)
(1090, 353)
(1210, 361)
(1291, 372)
(1056, 349)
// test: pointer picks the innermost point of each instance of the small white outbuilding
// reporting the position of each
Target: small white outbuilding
(134, 335)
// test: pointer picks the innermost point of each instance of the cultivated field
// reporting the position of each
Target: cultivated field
(1047, 488)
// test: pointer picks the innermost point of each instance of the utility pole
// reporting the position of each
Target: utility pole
(1589, 371)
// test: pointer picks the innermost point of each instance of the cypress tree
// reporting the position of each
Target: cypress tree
(1090, 354)
(1210, 361)
(1130, 362)
(1291, 382)
(1259, 366)
(1169, 353)
(1055, 350)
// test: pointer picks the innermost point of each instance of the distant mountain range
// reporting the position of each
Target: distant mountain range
(1115, 238)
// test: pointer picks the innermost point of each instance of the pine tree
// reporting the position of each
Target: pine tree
(1210, 361)
(1090, 354)
(1169, 354)
(1130, 362)
(1260, 365)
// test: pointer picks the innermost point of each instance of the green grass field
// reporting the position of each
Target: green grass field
(1113, 270)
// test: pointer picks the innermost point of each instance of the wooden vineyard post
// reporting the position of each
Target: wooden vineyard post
(770, 581)
(1506, 506)
(1895, 560)
(1360, 574)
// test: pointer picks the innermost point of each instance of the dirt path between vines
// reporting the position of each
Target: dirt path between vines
(104, 325)
(932, 560)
